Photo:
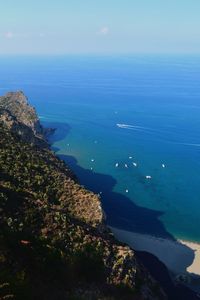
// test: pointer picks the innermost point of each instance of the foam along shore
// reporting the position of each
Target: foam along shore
(179, 256)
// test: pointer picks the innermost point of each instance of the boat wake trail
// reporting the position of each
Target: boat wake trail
(134, 127)
(189, 144)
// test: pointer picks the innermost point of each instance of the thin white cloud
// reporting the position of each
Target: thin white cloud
(41, 35)
(8, 35)
(103, 31)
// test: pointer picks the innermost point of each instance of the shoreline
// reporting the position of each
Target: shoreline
(180, 257)
(195, 267)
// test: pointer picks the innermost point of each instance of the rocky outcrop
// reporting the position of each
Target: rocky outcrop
(54, 243)
(21, 118)
(17, 104)
(25, 132)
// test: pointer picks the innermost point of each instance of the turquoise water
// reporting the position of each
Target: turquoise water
(158, 97)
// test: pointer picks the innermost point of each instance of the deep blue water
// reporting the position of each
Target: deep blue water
(158, 96)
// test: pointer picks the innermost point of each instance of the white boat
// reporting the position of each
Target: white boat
(92, 159)
(126, 166)
(135, 165)
(116, 165)
(148, 177)
(163, 165)
(126, 191)
(130, 157)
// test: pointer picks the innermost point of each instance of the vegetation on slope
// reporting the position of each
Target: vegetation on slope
(53, 240)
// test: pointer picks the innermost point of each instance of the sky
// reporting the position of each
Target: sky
(99, 26)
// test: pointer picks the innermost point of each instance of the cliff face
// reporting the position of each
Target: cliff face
(21, 118)
(18, 106)
(54, 243)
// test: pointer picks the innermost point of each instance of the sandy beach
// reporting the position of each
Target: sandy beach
(179, 256)
(195, 266)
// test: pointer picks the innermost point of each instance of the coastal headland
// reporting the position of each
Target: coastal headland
(55, 243)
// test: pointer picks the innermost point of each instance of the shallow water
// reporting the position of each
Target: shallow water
(157, 98)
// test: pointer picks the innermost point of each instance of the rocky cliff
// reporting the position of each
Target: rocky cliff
(17, 104)
(21, 118)
(54, 243)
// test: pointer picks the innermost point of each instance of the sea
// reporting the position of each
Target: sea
(128, 126)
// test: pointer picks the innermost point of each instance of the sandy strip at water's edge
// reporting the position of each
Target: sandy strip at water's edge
(179, 256)
(195, 266)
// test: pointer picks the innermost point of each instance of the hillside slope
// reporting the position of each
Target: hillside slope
(53, 240)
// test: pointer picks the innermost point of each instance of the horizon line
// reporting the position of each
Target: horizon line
(99, 53)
